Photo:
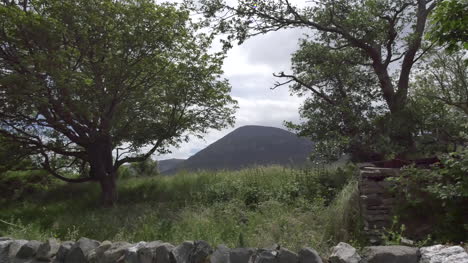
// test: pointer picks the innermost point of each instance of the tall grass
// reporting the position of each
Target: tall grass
(254, 207)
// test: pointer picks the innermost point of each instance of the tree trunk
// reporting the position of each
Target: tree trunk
(102, 168)
(109, 190)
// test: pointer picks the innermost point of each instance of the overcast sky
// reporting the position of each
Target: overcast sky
(249, 68)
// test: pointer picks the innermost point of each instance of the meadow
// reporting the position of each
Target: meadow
(255, 207)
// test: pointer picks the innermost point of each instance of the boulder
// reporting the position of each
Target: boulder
(286, 256)
(48, 250)
(116, 252)
(97, 254)
(63, 251)
(241, 255)
(4, 250)
(220, 255)
(309, 255)
(443, 254)
(28, 250)
(344, 253)
(266, 256)
(5, 238)
(390, 254)
(200, 252)
(132, 253)
(79, 251)
(13, 249)
(182, 252)
(164, 253)
(147, 253)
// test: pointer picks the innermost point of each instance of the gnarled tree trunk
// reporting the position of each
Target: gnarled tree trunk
(102, 169)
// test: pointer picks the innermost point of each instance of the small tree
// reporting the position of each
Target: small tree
(88, 84)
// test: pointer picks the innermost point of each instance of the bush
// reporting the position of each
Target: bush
(14, 185)
(439, 195)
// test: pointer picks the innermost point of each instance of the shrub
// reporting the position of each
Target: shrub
(439, 195)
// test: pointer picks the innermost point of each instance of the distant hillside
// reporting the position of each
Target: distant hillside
(164, 165)
(248, 146)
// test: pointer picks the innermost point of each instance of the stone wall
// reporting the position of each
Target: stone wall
(376, 200)
(91, 251)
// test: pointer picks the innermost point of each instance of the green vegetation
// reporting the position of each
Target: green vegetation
(252, 207)
(87, 85)
(436, 198)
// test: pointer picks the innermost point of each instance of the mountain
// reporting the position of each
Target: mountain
(164, 165)
(249, 146)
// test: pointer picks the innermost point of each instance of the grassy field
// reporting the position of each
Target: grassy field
(254, 207)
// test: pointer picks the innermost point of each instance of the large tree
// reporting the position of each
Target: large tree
(387, 34)
(94, 84)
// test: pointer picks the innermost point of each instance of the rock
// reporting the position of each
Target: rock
(4, 250)
(147, 253)
(286, 256)
(116, 252)
(14, 248)
(48, 250)
(164, 253)
(97, 254)
(391, 254)
(131, 255)
(182, 252)
(309, 255)
(28, 250)
(200, 252)
(344, 253)
(63, 251)
(406, 242)
(220, 255)
(5, 238)
(241, 255)
(79, 251)
(266, 256)
(443, 254)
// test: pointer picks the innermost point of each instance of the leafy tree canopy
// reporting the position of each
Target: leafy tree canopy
(92, 84)
(376, 42)
(450, 24)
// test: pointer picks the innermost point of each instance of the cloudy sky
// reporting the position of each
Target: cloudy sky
(249, 68)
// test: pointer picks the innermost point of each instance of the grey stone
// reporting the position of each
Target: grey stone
(28, 250)
(96, 255)
(182, 252)
(63, 251)
(5, 238)
(309, 255)
(443, 254)
(344, 253)
(200, 252)
(164, 253)
(220, 255)
(266, 256)
(147, 253)
(79, 251)
(390, 254)
(241, 255)
(48, 249)
(116, 252)
(286, 256)
(13, 249)
(4, 250)
(132, 253)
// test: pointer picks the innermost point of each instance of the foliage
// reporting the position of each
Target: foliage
(369, 41)
(450, 25)
(14, 185)
(82, 82)
(443, 188)
(290, 209)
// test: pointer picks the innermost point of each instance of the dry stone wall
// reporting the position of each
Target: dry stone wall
(376, 201)
(91, 251)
